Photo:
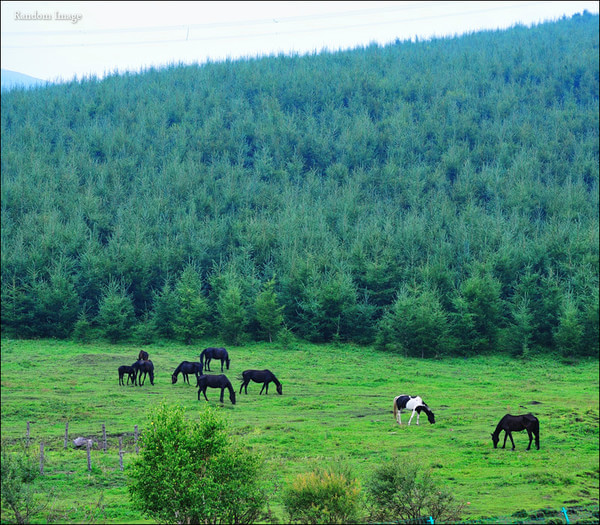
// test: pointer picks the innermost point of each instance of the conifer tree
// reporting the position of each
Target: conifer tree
(268, 312)
(115, 314)
(232, 315)
(191, 321)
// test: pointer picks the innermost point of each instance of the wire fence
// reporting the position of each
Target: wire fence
(565, 515)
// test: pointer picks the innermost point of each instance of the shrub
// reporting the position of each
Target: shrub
(399, 490)
(19, 504)
(191, 472)
(323, 496)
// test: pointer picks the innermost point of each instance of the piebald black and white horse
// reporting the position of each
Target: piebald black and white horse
(414, 403)
(260, 376)
(146, 368)
(186, 368)
(131, 375)
(207, 381)
(515, 424)
(214, 353)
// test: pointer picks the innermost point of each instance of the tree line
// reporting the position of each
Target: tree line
(435, 197)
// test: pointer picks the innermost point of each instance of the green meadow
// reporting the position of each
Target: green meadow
(336, 406)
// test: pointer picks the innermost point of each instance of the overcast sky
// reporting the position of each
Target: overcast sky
(63, 40)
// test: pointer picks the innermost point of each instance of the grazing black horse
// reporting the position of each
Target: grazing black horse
(220, 381)
(186, 368)
(515, 424)
(214, 353)
(260, 376)
(414, 403)
(143, 355)
(131, 375)
(146, 368)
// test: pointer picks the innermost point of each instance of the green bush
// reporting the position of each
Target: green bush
(191, 472)
(19, 502)
(399, 490)
(323, 496)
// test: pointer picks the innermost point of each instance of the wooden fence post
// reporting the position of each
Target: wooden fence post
(121, 452)
(66, 434)
(103, 437)
(41, 457)
(137, 450)
(89, 456)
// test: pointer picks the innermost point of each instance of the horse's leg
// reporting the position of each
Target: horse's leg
(411, 416)
(399, 416)
(530, 438)
(505, 436)
(222, 392)
(204, 392)
(512, 440)
(261, 390)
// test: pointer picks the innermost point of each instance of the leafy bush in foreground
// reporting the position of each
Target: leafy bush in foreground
(189, 472)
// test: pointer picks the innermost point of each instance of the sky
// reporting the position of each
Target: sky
(64, 40)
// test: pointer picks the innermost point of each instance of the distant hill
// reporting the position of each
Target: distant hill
(12, 79)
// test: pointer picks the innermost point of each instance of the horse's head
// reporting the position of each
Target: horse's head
(280, 389)
(495, 440)
(232, 397)
(431, 417)
(174, 379)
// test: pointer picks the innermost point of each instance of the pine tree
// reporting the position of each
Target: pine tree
(268, 312)
(115, 314)
(191, 322)
(232, 315)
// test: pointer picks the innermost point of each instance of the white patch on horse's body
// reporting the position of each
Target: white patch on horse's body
(414, 403)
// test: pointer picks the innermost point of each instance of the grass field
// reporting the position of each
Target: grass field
(336, 406)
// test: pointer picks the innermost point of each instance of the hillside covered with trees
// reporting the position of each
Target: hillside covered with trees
(431, 198)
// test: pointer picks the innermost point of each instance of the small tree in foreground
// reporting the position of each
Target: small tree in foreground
(399, 490)
(191, 472)
(19, 502)
(323, 496)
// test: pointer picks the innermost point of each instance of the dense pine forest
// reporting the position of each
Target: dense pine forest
(429, 198)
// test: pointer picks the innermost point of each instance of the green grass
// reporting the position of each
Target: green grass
(337, 404)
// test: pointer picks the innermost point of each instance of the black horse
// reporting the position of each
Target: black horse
(131, 375)
(515, 424)
(214, 353)
(186, 368)
(146, 368)
(220, 381)
(260, 376)
(143, 355)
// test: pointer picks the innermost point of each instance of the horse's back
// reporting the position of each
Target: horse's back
(402, 400)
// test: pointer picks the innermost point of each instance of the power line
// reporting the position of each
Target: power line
(278, 32)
